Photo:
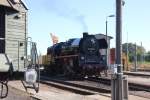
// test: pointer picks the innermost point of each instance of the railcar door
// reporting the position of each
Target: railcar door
(2, 30)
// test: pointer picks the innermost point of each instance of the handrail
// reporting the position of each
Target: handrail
(4, 85)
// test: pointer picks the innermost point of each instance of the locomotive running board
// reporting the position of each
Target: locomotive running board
(59, 57)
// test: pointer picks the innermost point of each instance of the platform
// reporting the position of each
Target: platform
(51, 93)
(139, 80)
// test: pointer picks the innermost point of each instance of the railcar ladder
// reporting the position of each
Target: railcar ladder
(32, 73)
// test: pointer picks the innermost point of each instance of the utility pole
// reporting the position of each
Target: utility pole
(119, 82)
(141, 54)
(107, 42)
(135, 58)
(127, 53)
(118, 34)
(107, 53)
(119, 88)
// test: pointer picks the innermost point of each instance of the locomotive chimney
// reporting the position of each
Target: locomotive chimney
(85, 34)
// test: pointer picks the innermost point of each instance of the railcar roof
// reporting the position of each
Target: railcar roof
(10, 4)
(76, 42)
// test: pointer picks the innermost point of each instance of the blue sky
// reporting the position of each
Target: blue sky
(70, 18)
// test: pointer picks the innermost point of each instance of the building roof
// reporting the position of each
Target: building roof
(11, 4)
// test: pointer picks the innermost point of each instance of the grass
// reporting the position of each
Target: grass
(140, 65)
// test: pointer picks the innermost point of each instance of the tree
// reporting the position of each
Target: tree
(147, 56)
(131, 51)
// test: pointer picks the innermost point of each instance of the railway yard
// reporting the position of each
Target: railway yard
(60, 88)
(81, 68)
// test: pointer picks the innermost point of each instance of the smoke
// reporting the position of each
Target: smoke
(63, 9)
(81, 19)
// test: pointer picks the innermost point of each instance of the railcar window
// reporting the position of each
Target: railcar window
(2, 46)
(102, 44)
(2, 30)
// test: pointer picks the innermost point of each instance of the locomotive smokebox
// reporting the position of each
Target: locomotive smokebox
(85, 34)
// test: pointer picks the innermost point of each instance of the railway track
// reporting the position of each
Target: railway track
(132, 86)
(79, 87)
(136, 89)
(93, 85)
(141, 74)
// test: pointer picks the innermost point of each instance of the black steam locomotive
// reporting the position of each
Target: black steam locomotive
(79, 56)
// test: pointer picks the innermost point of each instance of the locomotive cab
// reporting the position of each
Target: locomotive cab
(103, 46)
(104, 49)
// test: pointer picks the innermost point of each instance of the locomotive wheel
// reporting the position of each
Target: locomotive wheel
(68, 71)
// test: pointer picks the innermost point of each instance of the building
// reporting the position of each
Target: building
(13, 31)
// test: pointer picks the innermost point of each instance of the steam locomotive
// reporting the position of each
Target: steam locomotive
(79, 56)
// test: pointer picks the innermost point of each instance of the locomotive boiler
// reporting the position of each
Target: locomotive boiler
(79, 56)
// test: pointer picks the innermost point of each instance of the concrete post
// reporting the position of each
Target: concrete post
(113, 87)
(125, 88)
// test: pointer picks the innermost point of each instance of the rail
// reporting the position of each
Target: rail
(142, 74)
(90, 89)
(132, 86)
(93, 85)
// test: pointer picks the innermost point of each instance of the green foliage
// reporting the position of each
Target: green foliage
(130, 47)
(147, 56)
